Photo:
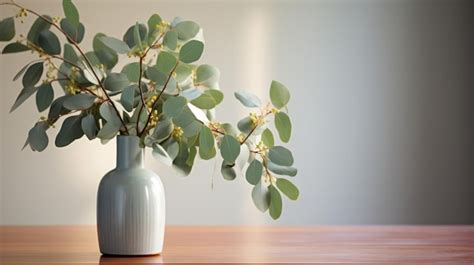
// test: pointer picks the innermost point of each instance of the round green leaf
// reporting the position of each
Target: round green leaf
(156, 76)
(115, 44)
(69, 53)
(108, 113)
(7, 29)
(248, 99)
(76, 34)
(160, 153)
(283, 126)
(135, 35)
(128, 97)
(89, 126)
(261, 197)
(163, 129)
(207, 76)
(70, 131)
(282, 170)
(245, 125)
(279, 94)
(116, 82)
(288, 188)
(191, 51)
(108, 131)
(37, 137)
(209, 99)
(267, 138)
(166, 62)
(38, 26)
(228, 171)
(230, 149)
(171, 40)
(281, 156)
(33, 74)
(71, 13)
(186, 30)
(132, 71)
(44, 97)
(254, 172)
(79, 102)
(275, 203)
(14, 48)
(153, 23)
(49, 42)
(173, 106)
(206, 144)
(107, 56)
(191, 93)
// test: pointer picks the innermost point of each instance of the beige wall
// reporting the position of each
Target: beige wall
(382, 107)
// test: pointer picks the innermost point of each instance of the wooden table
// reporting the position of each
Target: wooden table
(234, 244)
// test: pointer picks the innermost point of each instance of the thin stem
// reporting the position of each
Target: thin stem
(156, 100)
(141, 91)
(66, 61)
(253, 129)
(74, 43)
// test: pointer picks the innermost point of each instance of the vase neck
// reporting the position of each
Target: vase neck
(129, 152)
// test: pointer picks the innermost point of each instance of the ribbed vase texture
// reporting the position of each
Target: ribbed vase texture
(130, 205)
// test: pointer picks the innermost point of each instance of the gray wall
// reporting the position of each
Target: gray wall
(382, 107)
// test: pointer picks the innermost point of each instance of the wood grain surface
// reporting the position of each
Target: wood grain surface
(236, 244)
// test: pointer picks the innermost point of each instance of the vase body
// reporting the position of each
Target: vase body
(130, 205)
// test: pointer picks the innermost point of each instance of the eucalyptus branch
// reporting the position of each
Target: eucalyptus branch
(156, 101)
(74, 43)
(254, 128)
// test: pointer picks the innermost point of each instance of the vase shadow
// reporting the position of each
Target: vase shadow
(128, 259)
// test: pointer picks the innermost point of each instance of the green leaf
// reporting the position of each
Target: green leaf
(38, 26)
(288, 188)
(70, 130)
(57, 108)
(79, 102)
(173, 106)
(173, 148)
(132, 71)
(245, 125)
(128, 97)
(7, 29)
(108, 131)
(254, 172)
(44, 96)
(191, 51)
(115, 44)
(135, 35)
(76, 34)
(156, 76)
(187, 121)
(49, 42)
(261, 197)
(71, 13)
(23, 96)
(281, 156)
(228, 171)
(69, 53)
(33, 74)
(180, 162)
(209, 99)
(108, 113)
(14, 48)
(248, 99)
(279, 94)
(206, 144)
(163, 129)
(187, 30)
(191, 93)
(282, 170)
(283, 126)
(37, 137)
(230, 149)
(275, 203)
(89, 126)
(153, 23)
(166, 62)
(229, 129)
(116, 82)
(207, 76)
(267, 138)
(171, 40)
(106, 55)
(160, 153)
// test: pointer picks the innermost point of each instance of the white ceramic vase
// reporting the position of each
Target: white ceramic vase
(130, 205)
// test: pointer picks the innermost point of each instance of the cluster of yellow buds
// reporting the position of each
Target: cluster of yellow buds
(274, 110)
(51, 73)
(240, 137)
(255, 119)
(56, 20)
(194, 76)
(177, 133)
(154, 118)
(72, 88)
(269, 179)
(262, 148)
(150, 101)
(23, 13)
(163, 25)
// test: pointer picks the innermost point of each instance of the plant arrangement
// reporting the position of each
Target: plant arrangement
(162, 96)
